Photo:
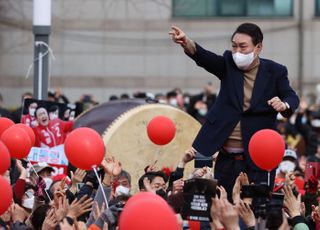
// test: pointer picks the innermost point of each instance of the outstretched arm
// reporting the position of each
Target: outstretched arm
(210, 61)
(179, 37)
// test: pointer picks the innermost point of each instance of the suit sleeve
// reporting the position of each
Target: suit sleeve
(287, 94)
(211, 62)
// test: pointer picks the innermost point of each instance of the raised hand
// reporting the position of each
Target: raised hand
(215, 213)
(178, 36)
(277, 104)
(229, 215)
(189, 155)
(22, 170)
(152, 167)
(111, 166)
(291, 203)
(315, 215)
(177, 186)
(79, 207)
(246, 214)
(18, 213)
(77, 176)
(223, 193)
(50, 222)
(62, 208)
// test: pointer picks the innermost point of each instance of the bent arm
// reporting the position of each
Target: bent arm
(287, 94)
(210, 61)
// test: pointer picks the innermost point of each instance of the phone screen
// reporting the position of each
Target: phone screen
(312, 169)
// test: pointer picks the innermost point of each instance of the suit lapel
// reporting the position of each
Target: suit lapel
(262, 79)
(237, 76)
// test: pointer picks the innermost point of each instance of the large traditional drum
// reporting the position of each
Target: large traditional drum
(123, 126)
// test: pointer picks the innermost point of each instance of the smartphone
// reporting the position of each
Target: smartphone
(312, 169)
(79, 186)
(201, 161)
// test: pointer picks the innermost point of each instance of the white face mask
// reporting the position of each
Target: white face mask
(28, 203)
(173, 102)
(48, 182)
(287, 166)
(31, 112)
(121, 190)
(53, 116)
(243, 61)
(202, 112)
(315, 123)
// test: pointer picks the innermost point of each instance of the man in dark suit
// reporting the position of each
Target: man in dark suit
(253, 90)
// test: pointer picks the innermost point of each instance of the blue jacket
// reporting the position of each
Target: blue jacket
(227, 111)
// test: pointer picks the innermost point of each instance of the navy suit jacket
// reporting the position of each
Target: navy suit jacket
(227, 111)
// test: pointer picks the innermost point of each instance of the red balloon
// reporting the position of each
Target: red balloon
(17, 141)
(84, 148)
(266, 149)
(161, 130)
(6, 195)
(147, 211)
(4, 158)
(5, 123)
(29, 130)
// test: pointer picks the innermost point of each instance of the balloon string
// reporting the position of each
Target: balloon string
(39, 177)
(269, 178)
(157, 155)
(100, 184)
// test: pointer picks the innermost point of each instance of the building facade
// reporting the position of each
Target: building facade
(105, 47)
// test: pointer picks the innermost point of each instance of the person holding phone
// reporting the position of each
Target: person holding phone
(253, 91)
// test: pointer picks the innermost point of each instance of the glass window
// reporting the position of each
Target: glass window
(194, 8)
(318, 8)
(232, 8)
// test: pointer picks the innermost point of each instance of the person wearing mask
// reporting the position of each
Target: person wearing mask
(201, 103)
(53, 112)
(42, 170)
(123, 184)
(252, 92)
(155, 182)
(29, 118)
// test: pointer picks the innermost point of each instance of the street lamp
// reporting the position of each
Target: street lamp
(41, 30)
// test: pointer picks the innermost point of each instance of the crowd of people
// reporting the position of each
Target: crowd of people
(76, 201)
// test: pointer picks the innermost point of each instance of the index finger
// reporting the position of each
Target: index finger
(176, 29)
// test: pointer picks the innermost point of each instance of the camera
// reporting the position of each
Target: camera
(267, 206)
(119, 206)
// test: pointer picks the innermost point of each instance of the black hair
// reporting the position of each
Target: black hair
(51, 94)
(252, 30)
(113, 98)
(53, 108)
(126, 175)
(39, 107)
(151, 176)
(171, 94)
(39, 215)
(124, 96)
